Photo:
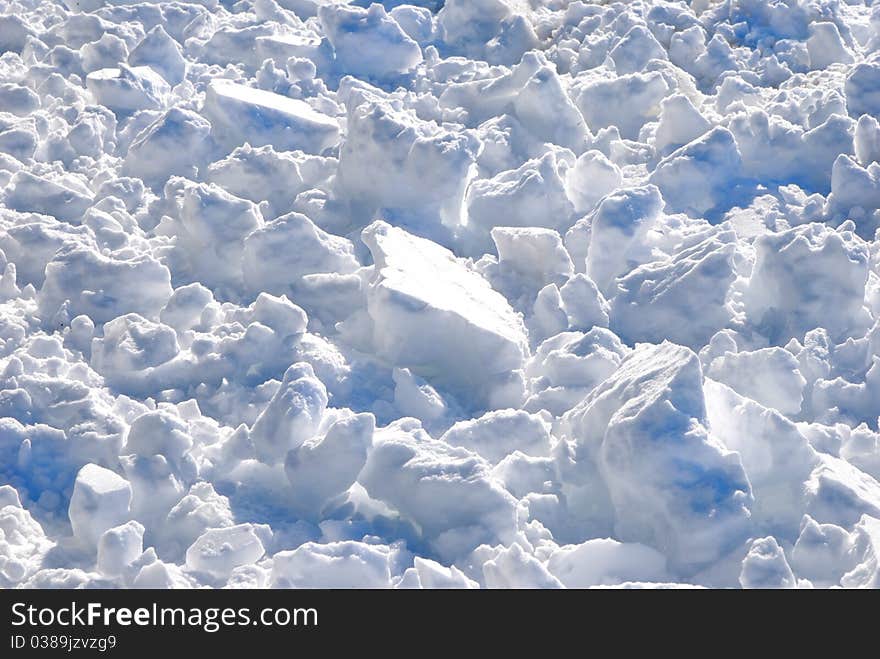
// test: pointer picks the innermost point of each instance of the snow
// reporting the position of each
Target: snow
(526, 433)
(128, 89)
(447, 492)
(101, 499)
(434, 315)
(333, 565)
(240, 114)
(292, 416)
(765, 566)
(219, 551)
(462, 294)
(89, 283)
(651, 413)
(170, 145)
(625, 101)
(325, 467)
(695, 178)
(683, 298)
(119, 547)
(605, 562)
(368, 43)
(23, 544)
(790, 300)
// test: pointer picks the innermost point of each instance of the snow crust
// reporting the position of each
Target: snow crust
(462, 294)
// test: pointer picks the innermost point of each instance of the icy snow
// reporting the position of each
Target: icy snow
(240, 114)
(457, 294)
(434, 315)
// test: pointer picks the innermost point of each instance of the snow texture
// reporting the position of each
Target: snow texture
(444, 294)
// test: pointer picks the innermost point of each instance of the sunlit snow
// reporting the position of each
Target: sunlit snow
(474, 293)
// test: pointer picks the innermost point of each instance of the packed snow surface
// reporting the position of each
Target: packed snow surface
(496, 293)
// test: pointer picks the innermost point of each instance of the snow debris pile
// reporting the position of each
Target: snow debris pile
(442, 294)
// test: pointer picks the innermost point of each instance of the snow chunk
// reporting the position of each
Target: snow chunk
(496, 434)
(128, 89)
(387, 149)
(18, 100)
(219, 551)
(618, 227)
(683, 298)
(185, 306)
(530, 97)
(801, 156)
(132, 343)
(368, 42)
(161, 575)
(426, 573)
(512, 567)
(861, 447)
(627, 102)
(839, 493)
(23, 544)
(279, 314)
(9, 497)
(448, 492)
(270, 265)
(325, 467)
(14, 33)
(292, 416)
(584, 305)
(265, 175)
(174, 144)
(821, 553)
(415, 397)
(680, 123)
(493, 30)
(119, 547)
(546, 110)
(775, 454)
(211, 226)
(241, 114)
(863, 89)
(592, 177)
(440, 319)
(158, 432)
(765, 566)
(37, 194)
(566, 366)
(769, 376)
(633, 52)
(161, 53)
(103, 287)
(865, 550)
(799, 275)
(31, 241)
(854, 187)
(866, 141)
(528, 259)
(672, 485)
(101, 500)
(345, 564)
(606, 562)
(826, 46)
(699, 176)
(201, 509)
(532, 195)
